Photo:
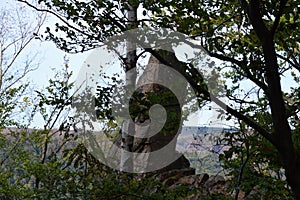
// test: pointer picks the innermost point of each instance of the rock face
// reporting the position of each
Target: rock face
(177, 173)
(146, 97)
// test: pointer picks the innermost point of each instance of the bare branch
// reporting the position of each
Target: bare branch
(58, 16)
(246, 119)
(17, 38)
(248, 74)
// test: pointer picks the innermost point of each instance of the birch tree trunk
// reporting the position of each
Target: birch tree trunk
(1, 65)
(128, 127)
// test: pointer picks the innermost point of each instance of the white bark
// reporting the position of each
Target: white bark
(128, 127)
(1, 65)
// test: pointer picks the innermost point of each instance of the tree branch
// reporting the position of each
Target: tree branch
(208, 95)
(253, 11)
(278, 16)
(295, 65)
(248, 74)
(245, 119)
(58, 16)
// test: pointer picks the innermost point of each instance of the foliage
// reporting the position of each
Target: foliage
(256, 42)
(252, 166)
(51, 163)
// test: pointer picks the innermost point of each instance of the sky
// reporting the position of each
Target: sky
(50, 60)
(44, 55)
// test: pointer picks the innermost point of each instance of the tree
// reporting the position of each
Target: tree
(50, 162)
(130, 63)
(16, 33)
(255, 40)
(248, 36)
(254, 167)
(30, 162)
(46, 162)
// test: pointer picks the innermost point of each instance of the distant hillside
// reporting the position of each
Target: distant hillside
(202, 146)
(199, 144)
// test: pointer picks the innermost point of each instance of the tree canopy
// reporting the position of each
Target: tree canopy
(257, 45)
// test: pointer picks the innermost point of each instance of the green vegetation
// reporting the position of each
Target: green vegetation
(257, 44)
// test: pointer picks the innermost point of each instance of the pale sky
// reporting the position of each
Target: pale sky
(51, 59)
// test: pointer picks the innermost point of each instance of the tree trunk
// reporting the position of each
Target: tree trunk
(282, 131)
(1, 53)
(281, 136)
(128, 127)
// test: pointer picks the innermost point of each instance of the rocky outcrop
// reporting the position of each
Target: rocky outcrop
(204, 184)
(152, 134)
(164, 97)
